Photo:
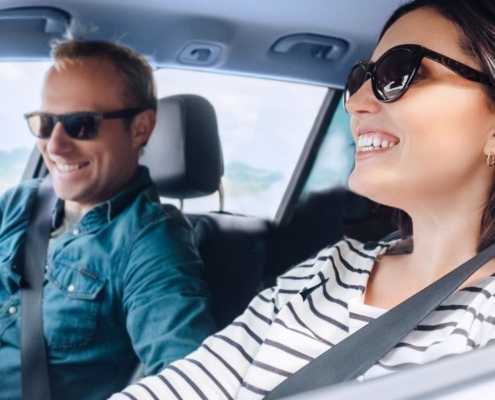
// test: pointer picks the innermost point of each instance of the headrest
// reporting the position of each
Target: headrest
(184, 154)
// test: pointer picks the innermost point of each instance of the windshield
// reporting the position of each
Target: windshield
(263, 125)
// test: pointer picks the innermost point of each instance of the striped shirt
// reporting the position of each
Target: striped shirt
(315, 305)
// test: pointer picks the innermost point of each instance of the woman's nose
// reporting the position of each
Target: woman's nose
(363, 100)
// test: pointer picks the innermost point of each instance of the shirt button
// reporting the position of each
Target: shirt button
(71, 288)
(76, 232)
(12, 310)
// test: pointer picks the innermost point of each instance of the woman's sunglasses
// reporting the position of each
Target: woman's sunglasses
(78, 125)
(392, 74)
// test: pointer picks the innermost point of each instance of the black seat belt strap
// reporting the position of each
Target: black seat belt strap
(34, 360)
(357, 353)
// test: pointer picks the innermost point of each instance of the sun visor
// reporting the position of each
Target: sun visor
(26, 32)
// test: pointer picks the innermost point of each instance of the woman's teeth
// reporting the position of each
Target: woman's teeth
(373, 142)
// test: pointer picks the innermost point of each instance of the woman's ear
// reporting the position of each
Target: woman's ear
(141, 128)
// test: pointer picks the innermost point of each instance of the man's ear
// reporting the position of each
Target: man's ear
(141, 128)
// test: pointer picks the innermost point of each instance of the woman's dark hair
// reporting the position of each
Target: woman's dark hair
(476, 20)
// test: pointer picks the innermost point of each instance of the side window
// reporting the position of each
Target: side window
(335, 158)
(326, 204)
(21, 87)
(263, 125)
(316, 219)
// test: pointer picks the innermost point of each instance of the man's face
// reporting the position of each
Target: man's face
(88, 172)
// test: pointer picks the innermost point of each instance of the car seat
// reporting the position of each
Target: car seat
(185, 159)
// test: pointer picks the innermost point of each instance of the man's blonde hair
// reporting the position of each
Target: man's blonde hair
(137, 75)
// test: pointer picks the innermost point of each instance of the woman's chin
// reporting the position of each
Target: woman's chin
(376, 190)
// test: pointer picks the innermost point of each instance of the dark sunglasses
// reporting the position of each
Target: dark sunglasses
(392, 74)
(78, 125)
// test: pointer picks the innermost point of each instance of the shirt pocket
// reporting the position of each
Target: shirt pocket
(71, 306)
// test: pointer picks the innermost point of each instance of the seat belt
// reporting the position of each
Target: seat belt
(357, 353)
(34, 360)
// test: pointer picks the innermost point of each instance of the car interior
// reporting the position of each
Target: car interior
(306, 43)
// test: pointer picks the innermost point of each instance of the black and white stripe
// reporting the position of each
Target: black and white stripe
(315, 305)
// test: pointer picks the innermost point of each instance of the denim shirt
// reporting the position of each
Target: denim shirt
(123, 287)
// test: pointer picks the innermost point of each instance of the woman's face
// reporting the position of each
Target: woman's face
(440, 125)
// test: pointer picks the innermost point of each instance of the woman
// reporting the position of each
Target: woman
(424, 125)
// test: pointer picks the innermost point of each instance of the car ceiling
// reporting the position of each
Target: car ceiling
(240, 34)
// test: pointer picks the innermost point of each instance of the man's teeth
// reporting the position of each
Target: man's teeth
(373, 142)
(69, 167)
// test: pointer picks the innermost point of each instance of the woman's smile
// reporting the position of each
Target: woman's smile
(373, 142)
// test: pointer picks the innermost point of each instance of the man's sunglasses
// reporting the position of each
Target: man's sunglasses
(78, 125)
(392, 74)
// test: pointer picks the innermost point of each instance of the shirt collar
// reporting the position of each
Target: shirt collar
(139, 183)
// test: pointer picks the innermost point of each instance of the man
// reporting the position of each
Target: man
(122, 279)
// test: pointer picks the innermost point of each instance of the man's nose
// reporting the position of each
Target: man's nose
(363, 100)
(59, 142)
